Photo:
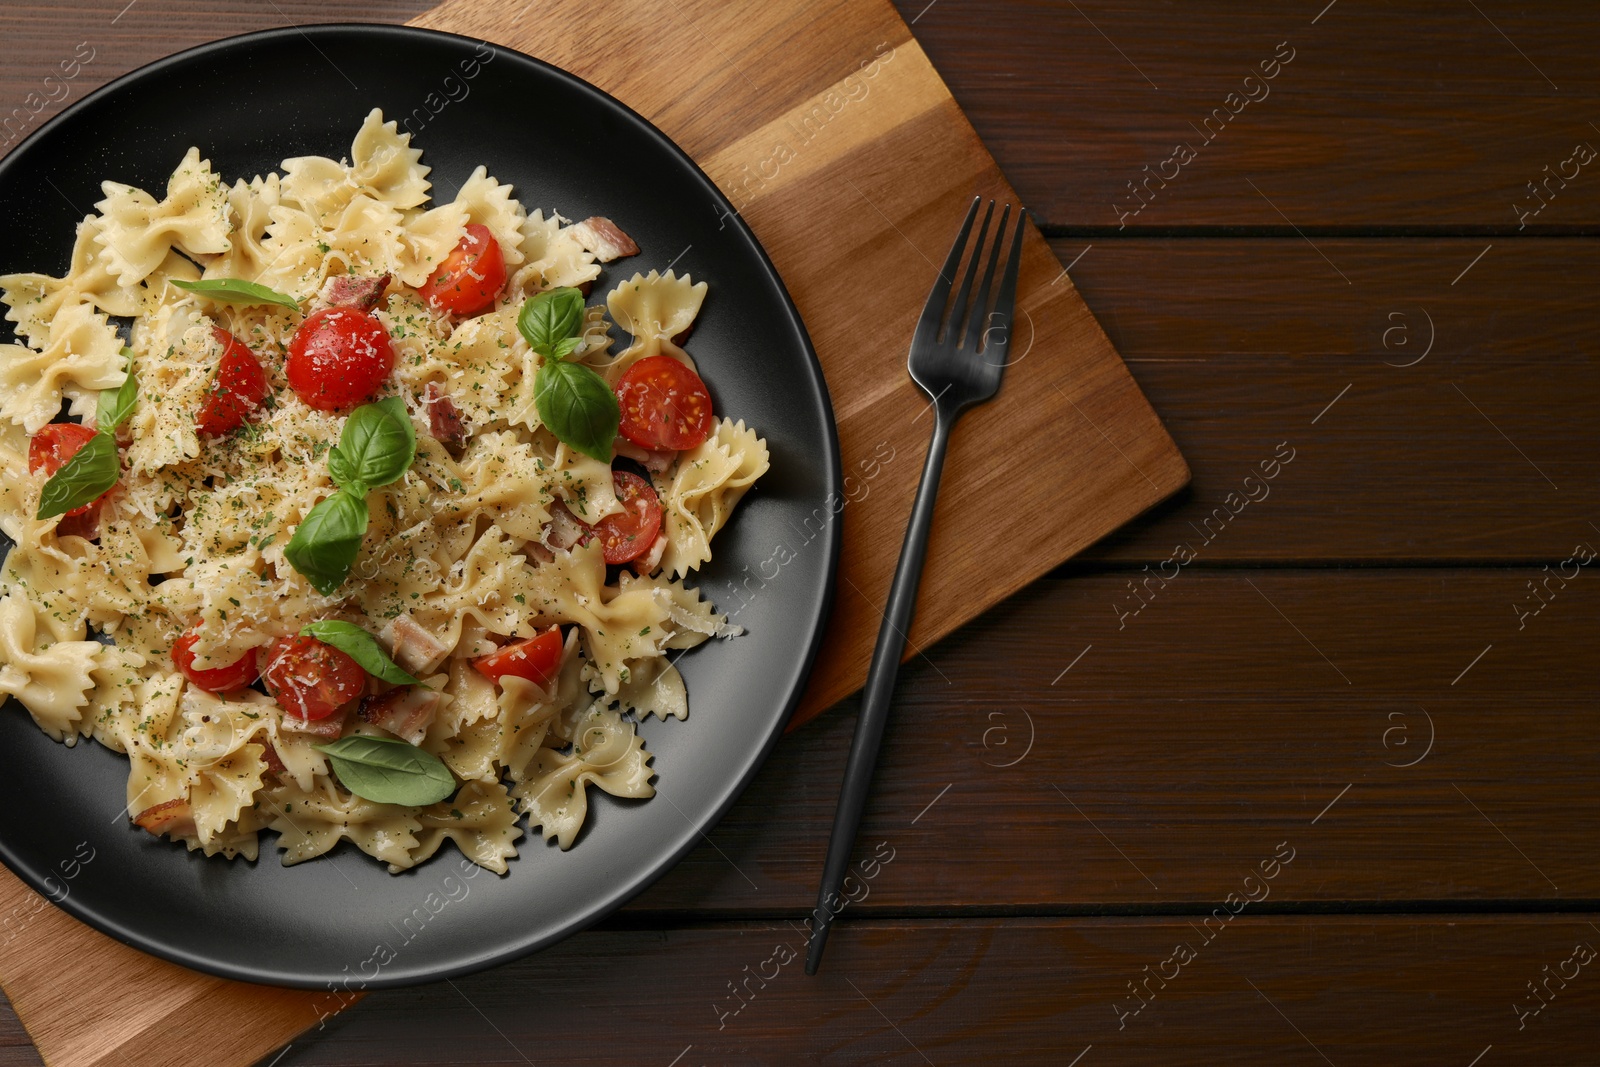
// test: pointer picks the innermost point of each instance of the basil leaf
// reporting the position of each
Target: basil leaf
(387, 771)
(550, 317)
(325, 544)
(238, 291)
(340, 469)
(377, 445)
(116, 405)
(91, 471)
(578, 406)
(360, 646)
(566, 347)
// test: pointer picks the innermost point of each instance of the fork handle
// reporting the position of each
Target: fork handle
(878, 691)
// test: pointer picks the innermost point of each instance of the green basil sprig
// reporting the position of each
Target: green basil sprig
(238, 291)
(117, 404)
(325, 544)
(387, 771)
(95, 467)
(550, 322)
(360, 646)
(375, 448)
(572, 400)
(91, 471)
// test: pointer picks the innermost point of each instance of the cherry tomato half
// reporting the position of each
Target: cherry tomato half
(470, 278)
(338, 358)
(309, 679)
(239, 388)
(235, 675)
(537, 659)
(49, 450)
(626, 536)
(664, 404)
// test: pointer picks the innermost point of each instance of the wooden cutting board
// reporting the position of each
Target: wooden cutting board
(841, 147)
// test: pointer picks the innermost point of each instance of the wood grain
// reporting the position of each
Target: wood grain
(1265, 990)
(1375, 122)
(1453, 389)
(1176, 745)
(149, 1011)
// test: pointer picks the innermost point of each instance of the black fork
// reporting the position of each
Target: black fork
(958, 360)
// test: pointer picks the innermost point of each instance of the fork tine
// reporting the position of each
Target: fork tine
(933, 310)
(958, 309)
(1005, 303)
(972, 327)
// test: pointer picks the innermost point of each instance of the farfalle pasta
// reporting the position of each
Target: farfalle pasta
(337, 514)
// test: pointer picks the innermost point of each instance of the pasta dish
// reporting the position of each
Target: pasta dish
(336, 511)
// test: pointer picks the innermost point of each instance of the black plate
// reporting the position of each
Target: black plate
(247, 103)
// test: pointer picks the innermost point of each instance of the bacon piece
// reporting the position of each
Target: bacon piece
(444, 421)
(86, 526)
(414, 648)
(329, 728)
(405, 711)
(651, 559)
(564, 530)
(601, 236)
(354, 291)
(655, 462)
(270, 757)
(172, 816)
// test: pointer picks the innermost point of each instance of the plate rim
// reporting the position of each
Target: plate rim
(832, 477)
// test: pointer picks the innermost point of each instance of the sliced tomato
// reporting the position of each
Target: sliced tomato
(48, 452)
(626, 536)
(471, 277)
(338, 358)
(235, 675)
(664, 404)
(238, 390)
(310, 679)
(538, 659)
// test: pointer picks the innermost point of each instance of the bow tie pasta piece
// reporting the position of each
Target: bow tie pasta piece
(480, 819)
(250, 207)
(82, 355)
(310, 822)
(383, 167)
(51, 679)
(138, 231)
(34, 300)
(551, 256)
(654, 308)
(699, 493)
(606, 751)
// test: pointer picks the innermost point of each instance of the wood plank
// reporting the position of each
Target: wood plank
(1266, 990)
(1242, 344)
(100, 41)
(1450, 142)
(151, 1008)
(1179, 744)
(1231, 300)
(1372, 123)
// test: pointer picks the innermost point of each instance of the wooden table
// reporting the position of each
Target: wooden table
(1300, 768)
